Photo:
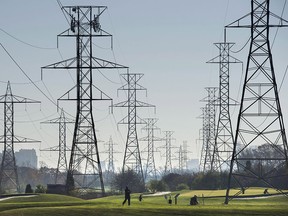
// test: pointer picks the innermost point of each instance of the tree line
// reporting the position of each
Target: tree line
(115, 183)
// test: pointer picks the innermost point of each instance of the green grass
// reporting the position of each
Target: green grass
(55, 205)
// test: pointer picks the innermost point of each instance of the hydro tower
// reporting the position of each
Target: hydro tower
(260, 121)
(84, 171)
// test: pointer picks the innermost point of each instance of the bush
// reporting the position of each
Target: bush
(182, 186)
(28, 189)
(40, 189)
(172, 180)
(128, 178)
(155, 186)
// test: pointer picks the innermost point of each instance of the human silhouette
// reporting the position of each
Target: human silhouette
(127, 196)
(140, 198)
(193, 200)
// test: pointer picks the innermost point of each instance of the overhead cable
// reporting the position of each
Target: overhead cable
(27, 75)
(29, 44)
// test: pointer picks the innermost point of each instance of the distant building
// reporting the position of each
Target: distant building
(26, 158)
(56, 189)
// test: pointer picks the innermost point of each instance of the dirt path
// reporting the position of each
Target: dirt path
(11, 197)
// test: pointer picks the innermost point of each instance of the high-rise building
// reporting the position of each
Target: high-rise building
(26, 158)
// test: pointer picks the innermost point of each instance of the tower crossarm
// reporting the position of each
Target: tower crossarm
(277, 22)
(97, 63)
(137, 104)
(54, 149)
(137, 120)
(100, 96)
(83, 25)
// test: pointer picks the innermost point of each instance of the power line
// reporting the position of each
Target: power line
(23, 83)
(242, 47)
(279, 24)
(32, 82)
(26, 43)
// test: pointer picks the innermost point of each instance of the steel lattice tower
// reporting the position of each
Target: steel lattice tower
(224, 138)
(150, 171)
(181, 159)
(84, 171)
(110, 171)
(8, 170)
(132, 158)
(168, 154)
(203, 133)
(208, 161)
(260, 120)
(111, 167)
(185, 155)
(61, 172)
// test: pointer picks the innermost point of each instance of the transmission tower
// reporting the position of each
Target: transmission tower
(110, 171)
(168, 154)
(84, 171)
(260, 121)
(224, 138)
(132, 158)
(208, 161)
(61, 172)
(180, 158)
(8, 170)
(185, 155)
(203, 138)
(111, 152)
(150, 171)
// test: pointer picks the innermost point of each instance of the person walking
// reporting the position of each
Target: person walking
(127, 196)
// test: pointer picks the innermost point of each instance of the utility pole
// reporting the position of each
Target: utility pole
(84, 171)
(208, 161)
(224, 138)
(260, 120)
(132, 158)
(61, 172)
(8, 170)
(150, 171)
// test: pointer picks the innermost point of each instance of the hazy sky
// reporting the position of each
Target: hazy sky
(169, 41)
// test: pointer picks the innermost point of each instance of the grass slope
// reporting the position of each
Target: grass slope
(55, 205)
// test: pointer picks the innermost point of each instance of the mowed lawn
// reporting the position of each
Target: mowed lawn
(54, 205)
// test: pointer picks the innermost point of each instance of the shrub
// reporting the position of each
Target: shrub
(155, 186)
(128, 178)
(40, 189)
(28, 189)
(182, 186)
